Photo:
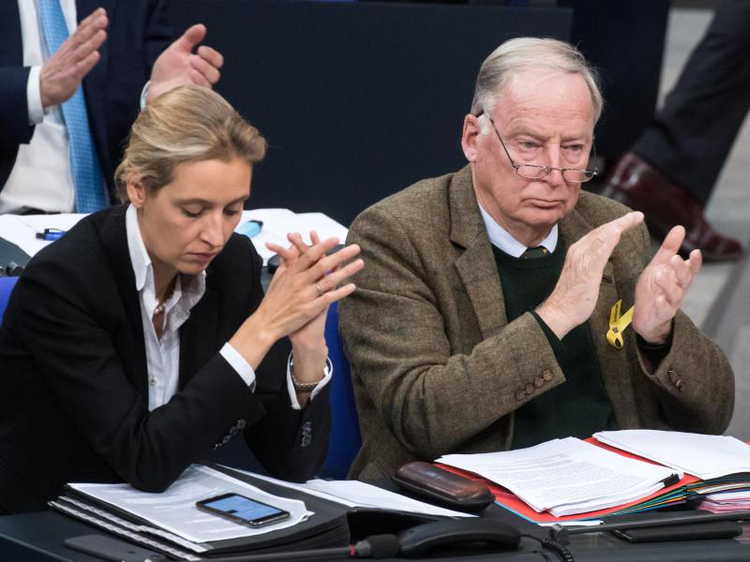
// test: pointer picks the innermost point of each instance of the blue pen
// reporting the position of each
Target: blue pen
(51, 234)
(250, 228)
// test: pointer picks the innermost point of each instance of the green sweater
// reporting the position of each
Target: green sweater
(578, 407)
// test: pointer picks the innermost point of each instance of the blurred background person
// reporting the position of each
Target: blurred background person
(72, 80)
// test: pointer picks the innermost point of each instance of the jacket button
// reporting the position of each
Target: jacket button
(678, 384)
(530, 389)
(539, 382)
(547, 375)
(520, 394)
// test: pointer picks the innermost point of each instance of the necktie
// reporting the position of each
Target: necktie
(90, 191)
(535, 252)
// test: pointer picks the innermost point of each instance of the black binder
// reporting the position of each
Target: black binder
(327, 527)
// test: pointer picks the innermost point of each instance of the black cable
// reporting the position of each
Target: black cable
(556, 547)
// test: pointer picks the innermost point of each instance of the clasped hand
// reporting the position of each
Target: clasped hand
(659, 293)
(306, 283)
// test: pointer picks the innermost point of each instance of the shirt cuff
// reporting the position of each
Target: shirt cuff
(327, 374)
(238, 363)
(558, 347)
(34, 96)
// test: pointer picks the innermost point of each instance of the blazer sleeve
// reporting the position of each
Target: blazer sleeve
(432, 398)
(14, 115)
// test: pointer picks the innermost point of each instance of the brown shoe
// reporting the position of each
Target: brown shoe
(640, 186)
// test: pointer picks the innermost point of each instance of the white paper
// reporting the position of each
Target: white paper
(353, 493)
(21, 230)
(277, 223)
(704, 456)
(175, 511)
(359, 494)
(567, 475)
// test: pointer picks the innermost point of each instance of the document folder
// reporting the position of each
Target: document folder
(326, 527)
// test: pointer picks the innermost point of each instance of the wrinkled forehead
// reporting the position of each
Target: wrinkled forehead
(549, 94)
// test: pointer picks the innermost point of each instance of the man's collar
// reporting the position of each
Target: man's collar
(504, 240)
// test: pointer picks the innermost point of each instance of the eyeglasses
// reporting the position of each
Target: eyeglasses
(535, 172)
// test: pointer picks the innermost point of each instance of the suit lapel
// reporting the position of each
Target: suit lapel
(614, 363)
(476, 266)
(114, 238)
(198, 336)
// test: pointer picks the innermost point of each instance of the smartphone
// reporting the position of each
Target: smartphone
(242, 510)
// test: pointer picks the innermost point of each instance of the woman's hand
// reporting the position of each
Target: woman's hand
(295, 305)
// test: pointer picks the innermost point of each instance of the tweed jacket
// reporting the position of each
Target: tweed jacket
(438, 369)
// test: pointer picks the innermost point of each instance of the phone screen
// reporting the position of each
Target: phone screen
(242, 510)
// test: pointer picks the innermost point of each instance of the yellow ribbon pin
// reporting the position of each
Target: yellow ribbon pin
(617, 324)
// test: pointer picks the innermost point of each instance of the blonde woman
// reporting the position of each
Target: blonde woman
(142, 339)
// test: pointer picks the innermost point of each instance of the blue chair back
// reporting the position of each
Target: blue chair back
(345, 439)
(6, 286)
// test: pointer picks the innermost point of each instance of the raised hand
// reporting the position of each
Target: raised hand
(662, 288)
(577, 290)
(178, 66)
(64, 71)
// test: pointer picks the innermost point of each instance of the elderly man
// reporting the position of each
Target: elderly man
(481, 320)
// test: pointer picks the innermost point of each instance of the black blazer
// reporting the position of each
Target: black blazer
(73, 381)
(137, 34)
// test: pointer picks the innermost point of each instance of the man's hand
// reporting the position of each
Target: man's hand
(63, 72)
(178, 66)
(577, 290)
(662, 287)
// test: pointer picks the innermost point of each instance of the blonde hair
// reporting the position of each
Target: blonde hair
(522, 53)
(186, 124)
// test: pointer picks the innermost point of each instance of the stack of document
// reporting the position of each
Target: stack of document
(704, 456)
(727, 502)
(567, 476)
(720, 462)
(171, 523)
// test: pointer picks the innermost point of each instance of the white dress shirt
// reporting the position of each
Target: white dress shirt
(41, 177)
(163, 354)
(504, 240)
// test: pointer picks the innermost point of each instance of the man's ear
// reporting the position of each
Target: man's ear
(470, 135)
(136, 191)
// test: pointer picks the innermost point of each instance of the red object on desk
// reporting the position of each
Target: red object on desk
(676, 494)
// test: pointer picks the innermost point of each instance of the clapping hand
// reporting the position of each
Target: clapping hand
(179, 66)
(662, 288)
(577, 289)
(64, 71)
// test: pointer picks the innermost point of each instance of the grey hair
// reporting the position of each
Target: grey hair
(523, 53)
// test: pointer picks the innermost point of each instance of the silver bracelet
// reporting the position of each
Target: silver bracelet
(307, 386)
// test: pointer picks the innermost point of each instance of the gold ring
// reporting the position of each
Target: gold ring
(321, 292)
